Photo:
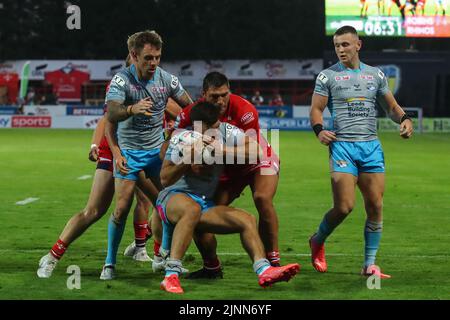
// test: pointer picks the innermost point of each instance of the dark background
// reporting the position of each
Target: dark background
(191, 29)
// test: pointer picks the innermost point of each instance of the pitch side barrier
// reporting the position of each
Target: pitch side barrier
(291, 118)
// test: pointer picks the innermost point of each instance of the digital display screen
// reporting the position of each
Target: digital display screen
(390, 18)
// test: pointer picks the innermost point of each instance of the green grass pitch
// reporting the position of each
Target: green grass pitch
(415, 246)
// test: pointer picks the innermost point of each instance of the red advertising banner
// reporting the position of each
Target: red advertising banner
(31, 122)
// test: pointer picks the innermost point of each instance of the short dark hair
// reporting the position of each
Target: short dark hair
(346, 29)
(215, 79)
(206, 112)
(138, 40)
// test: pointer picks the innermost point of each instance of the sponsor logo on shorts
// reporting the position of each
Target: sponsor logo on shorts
(31, 122)
(247, 118)
(342, 163)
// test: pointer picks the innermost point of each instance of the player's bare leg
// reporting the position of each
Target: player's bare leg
(227, 220)
(151, 187)
(372, 189)
(207, 243)
(100, 198)
(145, 194)
(124, 199)
(264, 186)
(184, 213)
(343, 187)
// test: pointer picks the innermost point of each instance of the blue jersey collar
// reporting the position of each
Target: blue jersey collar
(361, 67)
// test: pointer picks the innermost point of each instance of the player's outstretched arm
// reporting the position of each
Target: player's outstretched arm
(397, 114)
(97, 137)
(318, 105)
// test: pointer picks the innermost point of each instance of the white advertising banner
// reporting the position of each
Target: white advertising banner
(303, 112)
(56, 110)
(191, 73)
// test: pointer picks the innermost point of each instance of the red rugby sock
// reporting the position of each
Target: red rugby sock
(58, 249)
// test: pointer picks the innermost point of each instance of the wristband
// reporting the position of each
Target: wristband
(404, 117)
(317, 128)
(93, 146)
(129, 110)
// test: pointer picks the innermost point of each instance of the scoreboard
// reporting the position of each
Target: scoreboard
(379, 21)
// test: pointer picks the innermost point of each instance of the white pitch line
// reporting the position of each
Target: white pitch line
(283, 254)
(26, 201)
(85, 177)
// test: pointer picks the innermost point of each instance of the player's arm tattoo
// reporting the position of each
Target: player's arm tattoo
(117, 111)
(183, 100)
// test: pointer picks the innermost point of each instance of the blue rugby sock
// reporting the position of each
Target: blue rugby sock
(372, 237)
(115, 232)
(325, 229)
(260, 266)
(173, 266)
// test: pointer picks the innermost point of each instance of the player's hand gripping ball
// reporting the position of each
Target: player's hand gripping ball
(186, 144)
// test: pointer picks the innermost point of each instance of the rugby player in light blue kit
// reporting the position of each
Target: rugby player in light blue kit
(186, 204)
(136, 101)
(350, 90)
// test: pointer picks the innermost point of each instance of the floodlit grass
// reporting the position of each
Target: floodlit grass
(45, 164)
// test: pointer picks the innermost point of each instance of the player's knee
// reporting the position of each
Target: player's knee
(120, 213)
(92, 214)
(374, 207)
(344, 208)
(191, 213)
(262, 198)
(248, 221)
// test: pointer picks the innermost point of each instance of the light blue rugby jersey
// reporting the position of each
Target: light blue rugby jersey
(352, 96)
(205, 185)
(140, 132)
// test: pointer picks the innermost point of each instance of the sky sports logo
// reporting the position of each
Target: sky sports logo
(5, 122)
(31, 122)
